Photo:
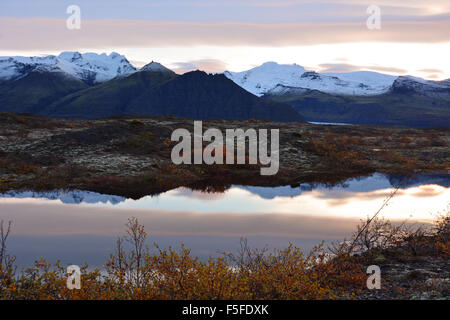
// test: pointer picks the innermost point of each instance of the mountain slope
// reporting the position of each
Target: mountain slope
(33, 92)
(413, 85)
(198, 95)
(392, 108)
(109, 98)
(194, 95)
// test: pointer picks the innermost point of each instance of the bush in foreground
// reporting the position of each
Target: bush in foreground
(136, 272)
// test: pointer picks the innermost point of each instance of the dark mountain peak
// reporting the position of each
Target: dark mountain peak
(199, 95)
(210, 78)
(156, 67)
(196, 74)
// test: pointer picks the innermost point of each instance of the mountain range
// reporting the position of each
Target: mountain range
(90, 85)
(367, 184)
(74, 85)
(361, 97)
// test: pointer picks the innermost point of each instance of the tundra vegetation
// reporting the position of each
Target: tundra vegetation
(131, 156)
(414, 264)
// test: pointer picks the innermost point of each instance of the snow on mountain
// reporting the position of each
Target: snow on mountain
(155, 66)
(262, 79)
(68, 197)
(269, 78)
(378, 81)
(88, 67)
(272, 77)
(16, 67)
(433, 89)
(96, 67)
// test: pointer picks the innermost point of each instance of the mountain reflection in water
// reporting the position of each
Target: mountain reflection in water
(80, 226)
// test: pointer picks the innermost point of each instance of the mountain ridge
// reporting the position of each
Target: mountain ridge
(360, 97)
(265, 78)
(89, 67)
(93, 68)
(77, 84)
(195, 95)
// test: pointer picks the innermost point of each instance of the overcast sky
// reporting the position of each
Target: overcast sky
(218, 35)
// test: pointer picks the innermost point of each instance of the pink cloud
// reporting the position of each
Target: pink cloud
(207, 65)
(52, 34)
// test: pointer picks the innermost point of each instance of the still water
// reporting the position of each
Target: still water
(80, 227)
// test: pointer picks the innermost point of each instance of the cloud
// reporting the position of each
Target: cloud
(51, 34)
(430, 70)
(257, 11)
(138, 64)
(32, 220)
(207, 65)
(344, 67)
(341, 59)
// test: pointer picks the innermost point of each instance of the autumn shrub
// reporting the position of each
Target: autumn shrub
(136, 271)
(377, 235)
(7, 267)
(338, 153)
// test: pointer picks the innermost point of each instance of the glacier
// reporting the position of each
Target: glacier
(275, 78)
(88, 67)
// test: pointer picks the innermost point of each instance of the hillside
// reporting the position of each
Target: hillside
(33, 92)
(361, 97)
(392, 108)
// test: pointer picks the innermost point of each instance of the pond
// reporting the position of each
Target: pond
(80, 227)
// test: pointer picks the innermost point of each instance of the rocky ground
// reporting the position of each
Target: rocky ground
(415, 278)
(131, 156)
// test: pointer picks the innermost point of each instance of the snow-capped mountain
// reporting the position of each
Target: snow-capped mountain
(432, 89)
(269, 78)
(275, 78)
(98, 67)
(155, 66)
(88, 67)
(361, 97)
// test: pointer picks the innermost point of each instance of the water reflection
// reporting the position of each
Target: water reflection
(81, 227)
(357, 197)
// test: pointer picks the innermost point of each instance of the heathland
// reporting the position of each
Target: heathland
(131, 156)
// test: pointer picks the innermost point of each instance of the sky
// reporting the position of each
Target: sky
(236, 35)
